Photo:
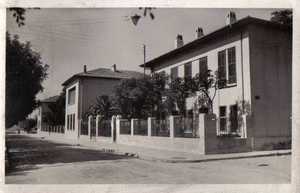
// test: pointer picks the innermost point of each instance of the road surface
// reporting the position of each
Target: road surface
(35, 161)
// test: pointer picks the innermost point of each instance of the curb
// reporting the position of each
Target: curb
(154, 159)
(146, 158)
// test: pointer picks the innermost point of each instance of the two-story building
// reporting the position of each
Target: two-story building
(253, 60)
(83, 88)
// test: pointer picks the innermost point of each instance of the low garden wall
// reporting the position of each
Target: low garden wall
(191, 145)
(202, 141)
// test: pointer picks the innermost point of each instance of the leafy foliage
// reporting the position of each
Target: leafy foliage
(140, 98)
(179, 90)
(283, 17)
(19, 15)
(146, 11)
(206, 84)
(25, 73)
(56, 113)
(104, 106)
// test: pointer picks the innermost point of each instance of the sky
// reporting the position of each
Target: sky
(68, 38)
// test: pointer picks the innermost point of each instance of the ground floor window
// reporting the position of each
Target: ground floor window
(228, 116)
(233, 118)
(223, 118)
(71, 122)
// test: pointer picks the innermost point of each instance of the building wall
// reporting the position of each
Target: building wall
(72, 109)
(271, 79)
(226, 96)
(94, 87)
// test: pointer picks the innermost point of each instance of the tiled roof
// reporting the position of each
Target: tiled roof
(107, 74)
(50, 99)
(211, 36)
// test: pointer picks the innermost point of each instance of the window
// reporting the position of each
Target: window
(73, 121)
(203, 70)
(233, 118)
(68, 122)
(71, 96)
(188, 70)
(227, 71)
(231, 65)
(223, 119)
(222, 68)
(174, 73)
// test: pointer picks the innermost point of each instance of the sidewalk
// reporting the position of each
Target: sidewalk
(150, 154)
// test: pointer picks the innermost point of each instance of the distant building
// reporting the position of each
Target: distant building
(253, 58)
(42, 110)
(83, 88)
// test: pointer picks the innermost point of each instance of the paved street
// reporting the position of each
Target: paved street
(36, 161)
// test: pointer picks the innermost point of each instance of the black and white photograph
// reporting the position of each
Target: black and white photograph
(148, 95)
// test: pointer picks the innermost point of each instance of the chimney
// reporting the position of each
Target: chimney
(199, 32)
(84, 68)
(230, 18)
(179, 41)
(114, 68)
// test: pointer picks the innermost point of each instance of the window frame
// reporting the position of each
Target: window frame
(222, 81)
(174, 69)
(229, 74)
(203, 61)
(231, 61)
(230, 117)
(72, 89)
(223, 117)
(188, 73)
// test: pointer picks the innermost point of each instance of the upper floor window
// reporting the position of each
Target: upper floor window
(71, 96)
(203, 69)
(231, 65)
(222, 68)
(174, 73)
(227, 70)
(188, 70)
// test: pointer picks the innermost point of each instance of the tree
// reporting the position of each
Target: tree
(25, 73)
(179, 90)
(104, 106)
(147, 11)
(283, 17)
(206, 84)
(19, 15)
(140, 98)
(56, 113)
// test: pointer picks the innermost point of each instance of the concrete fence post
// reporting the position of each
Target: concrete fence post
(172, 126)
(89, 125)
(244, 128)
(98, 118)
(132, 127)
(201, 126)
(150, 125)
(118, 126)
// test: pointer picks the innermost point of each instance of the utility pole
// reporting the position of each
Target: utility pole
(144, 46)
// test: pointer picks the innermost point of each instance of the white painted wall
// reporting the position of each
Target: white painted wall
(225, 96)
(72, 109)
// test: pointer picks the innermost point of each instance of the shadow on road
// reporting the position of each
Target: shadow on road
(27, 152)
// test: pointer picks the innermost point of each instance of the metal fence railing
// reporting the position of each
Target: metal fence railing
(104, 128)
(140, 127)
(53, 128)
(187, 127)
(125, 127)
(84, 127)
(160, 128)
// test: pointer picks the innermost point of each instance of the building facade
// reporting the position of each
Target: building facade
(252, 59)
(82, 89)
(42, 110)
